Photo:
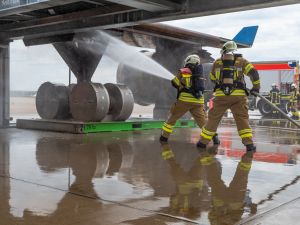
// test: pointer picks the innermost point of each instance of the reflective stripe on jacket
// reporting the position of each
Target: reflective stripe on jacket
(243, 67)
(183, 80)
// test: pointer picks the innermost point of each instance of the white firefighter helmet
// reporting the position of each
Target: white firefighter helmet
(192, 59)
(229, 46)
(274, 85)
(293, 85)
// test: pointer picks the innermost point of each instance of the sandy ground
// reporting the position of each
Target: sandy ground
(24, 107)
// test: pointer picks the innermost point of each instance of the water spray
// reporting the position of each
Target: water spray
(123, 53)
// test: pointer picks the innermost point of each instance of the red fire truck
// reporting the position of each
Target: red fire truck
(282, 73)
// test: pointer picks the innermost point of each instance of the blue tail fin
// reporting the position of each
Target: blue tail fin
(246, 35)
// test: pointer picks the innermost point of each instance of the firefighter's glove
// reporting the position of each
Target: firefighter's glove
(254, 90)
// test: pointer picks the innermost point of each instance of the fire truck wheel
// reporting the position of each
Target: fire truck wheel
(264, 108)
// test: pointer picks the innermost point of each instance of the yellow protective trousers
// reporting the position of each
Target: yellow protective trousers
(294, 110)
(275, 99)
(180, 108)
(275, 113)
(239, 108)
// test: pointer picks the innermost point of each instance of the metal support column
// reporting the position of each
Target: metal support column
(4, 86)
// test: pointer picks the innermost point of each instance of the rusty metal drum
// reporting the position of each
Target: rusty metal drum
(52, 101)
(89, 102)
(121, 102)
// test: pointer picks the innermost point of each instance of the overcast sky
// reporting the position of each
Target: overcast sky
(277, 36)
(277, 39)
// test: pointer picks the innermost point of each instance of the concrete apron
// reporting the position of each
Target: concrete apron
(130, 178)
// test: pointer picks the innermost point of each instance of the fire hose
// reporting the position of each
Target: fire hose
(276, 108)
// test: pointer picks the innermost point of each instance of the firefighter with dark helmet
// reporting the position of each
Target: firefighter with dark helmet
(294, 101)
(275, 97)
(190, 85)
(230, 93)
(190, 195)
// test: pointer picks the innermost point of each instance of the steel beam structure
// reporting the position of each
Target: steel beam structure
(72, 22)
(149, 5)
(121, 15)
(49, 39)
(68, 17)
(35, 6)
(4, 87)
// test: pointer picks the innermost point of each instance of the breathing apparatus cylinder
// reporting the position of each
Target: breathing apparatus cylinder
(228, 74)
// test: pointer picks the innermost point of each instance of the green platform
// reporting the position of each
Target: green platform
(96, 127)
(132, 125)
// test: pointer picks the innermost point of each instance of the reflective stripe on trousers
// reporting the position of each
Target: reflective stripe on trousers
(239, 108)
(187, 97)
(180, 108)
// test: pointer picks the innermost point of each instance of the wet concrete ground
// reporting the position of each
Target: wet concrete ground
(129, 178)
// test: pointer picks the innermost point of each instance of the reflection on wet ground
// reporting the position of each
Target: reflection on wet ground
(129, 178)
(268, 122)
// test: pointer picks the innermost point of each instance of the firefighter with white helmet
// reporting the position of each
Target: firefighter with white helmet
(190, 85)
(231, 93)
(275, 98)
(294, 101)
(191, 186)
(192, 59)
(229, 46)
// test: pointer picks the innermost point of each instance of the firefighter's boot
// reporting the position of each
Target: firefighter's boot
(200, 145)
(216, 140)
(251, 147)
(163, 139)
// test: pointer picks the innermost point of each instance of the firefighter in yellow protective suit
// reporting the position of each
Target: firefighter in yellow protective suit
(190, 84)
(230, 93)
(190, 196)
(228, 203)
(275, 96)
(294, 101)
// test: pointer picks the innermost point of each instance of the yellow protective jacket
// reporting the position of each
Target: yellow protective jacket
(183, 80)
(243, 67)
(275, 96)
